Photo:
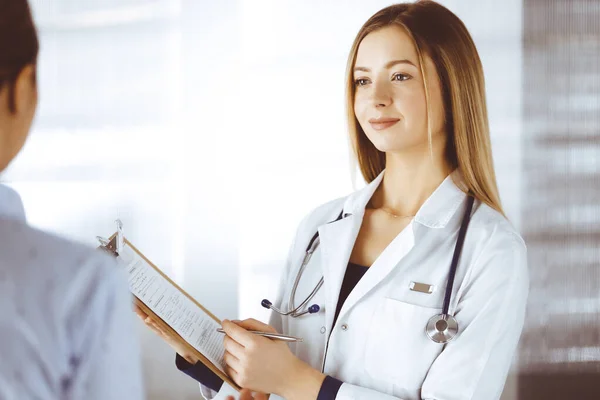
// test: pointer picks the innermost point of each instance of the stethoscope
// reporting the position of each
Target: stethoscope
(441, 328)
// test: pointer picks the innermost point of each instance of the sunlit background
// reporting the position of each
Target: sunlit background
(210, 128)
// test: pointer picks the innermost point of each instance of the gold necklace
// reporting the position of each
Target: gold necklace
(395, 215)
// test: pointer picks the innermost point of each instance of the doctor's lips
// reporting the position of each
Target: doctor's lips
(383, 123)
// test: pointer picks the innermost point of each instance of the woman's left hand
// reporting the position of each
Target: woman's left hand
(259, 363)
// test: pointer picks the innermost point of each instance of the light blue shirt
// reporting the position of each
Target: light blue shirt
(66, 325)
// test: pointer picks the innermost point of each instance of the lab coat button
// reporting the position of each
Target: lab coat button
(344, 327)
(322, 329)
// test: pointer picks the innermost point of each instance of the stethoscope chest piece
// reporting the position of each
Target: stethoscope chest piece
(442, 328)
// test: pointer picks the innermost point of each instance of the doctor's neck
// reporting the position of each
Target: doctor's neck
(410, 178)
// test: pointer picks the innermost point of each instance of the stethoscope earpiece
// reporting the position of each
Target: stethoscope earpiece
(442, 328)
(311, 310)
(314, 309)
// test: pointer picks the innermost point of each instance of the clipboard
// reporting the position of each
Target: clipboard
(113, 246)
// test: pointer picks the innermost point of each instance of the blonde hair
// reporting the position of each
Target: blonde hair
(441, 35)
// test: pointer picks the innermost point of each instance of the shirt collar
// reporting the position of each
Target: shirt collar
(435, 212)
(11, 206)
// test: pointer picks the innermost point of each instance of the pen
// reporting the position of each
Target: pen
(275, 336)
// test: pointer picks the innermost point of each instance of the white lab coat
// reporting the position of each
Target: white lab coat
(378, 346)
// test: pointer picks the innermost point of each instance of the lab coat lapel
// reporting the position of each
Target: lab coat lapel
(434, 213)
(337, 241)
(387, 261)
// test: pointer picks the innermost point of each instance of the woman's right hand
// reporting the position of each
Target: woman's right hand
(245, 394)
(171, 340)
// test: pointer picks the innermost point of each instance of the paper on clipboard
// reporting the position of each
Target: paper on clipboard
(171, 307)
(187, 319)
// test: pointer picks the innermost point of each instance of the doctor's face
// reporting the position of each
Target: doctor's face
(389, 100)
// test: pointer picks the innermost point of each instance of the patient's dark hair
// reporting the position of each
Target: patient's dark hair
(18, 43)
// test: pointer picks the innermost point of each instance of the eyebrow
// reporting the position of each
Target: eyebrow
(387, 66)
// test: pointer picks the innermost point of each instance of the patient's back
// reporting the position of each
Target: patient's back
(65, 322)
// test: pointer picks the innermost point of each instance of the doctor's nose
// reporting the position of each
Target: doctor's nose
(380, 96)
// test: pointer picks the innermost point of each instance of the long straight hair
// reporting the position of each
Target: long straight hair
(440, 34)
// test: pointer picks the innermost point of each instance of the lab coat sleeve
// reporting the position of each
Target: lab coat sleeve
(226, 390)
(490, 313)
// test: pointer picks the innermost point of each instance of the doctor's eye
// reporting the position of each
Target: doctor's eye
(361, 82)
(401, 77)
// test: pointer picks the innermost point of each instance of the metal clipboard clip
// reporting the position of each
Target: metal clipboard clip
(115, 245)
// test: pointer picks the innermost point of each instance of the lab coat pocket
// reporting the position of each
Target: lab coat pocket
(398, 348)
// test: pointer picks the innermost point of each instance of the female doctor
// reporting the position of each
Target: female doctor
(395, 317)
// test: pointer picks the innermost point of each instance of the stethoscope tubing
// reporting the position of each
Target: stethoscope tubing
(433, 330)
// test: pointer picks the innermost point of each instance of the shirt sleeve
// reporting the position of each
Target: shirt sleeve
(105, 356)
(329, 388)
(200, 373)
(490, 314)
